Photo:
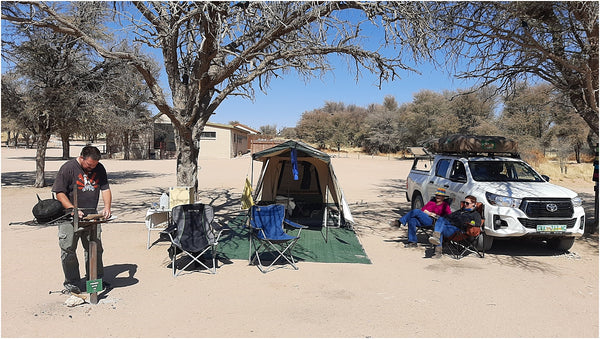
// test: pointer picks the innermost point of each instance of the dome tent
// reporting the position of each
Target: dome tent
(302, 178)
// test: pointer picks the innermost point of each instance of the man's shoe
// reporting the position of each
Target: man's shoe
(395, 223)
(435, 238)
(437, 254)
(70, 288)
(410, 244)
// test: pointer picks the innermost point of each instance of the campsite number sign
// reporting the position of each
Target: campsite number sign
(94, 286)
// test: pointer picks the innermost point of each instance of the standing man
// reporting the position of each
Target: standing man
(89, 177)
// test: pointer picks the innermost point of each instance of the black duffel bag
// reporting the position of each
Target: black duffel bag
(47, 210)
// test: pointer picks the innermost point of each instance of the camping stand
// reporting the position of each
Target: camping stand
(93, 253)
(92, 248)
(325, 213)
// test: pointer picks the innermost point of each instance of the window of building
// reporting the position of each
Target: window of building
(208, 135)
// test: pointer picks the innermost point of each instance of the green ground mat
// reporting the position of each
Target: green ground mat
(342, 245)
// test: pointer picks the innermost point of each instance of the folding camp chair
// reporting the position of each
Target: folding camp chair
(193, 232)
(462, 243)
(268, 234)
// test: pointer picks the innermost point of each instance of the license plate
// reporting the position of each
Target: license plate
(551, 228)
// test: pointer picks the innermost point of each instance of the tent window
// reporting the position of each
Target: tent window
(308, 179)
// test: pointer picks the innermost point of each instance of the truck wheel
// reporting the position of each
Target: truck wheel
(417, 201)
(484, 242)
(561, 244)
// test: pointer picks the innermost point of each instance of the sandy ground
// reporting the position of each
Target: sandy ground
(520, 288)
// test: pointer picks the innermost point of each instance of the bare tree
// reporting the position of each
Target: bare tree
(505, 42)
(268, 130)
(213, 50)
(54, 70)
(123, 108)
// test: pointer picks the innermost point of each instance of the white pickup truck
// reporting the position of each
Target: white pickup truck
(518, 202)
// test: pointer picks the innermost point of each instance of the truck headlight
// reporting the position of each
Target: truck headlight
(577, 202)
(499, 200)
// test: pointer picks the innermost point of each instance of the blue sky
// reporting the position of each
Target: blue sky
(289, 97)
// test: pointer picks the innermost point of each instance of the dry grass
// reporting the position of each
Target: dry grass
(573, 170)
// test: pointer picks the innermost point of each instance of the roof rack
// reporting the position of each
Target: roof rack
(483, 154)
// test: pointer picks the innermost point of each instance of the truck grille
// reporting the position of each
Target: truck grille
(547, 208)
(528, 223)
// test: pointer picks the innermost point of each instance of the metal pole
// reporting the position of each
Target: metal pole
(595, 178)
(93, 253)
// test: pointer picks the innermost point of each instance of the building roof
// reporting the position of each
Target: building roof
(163, 119)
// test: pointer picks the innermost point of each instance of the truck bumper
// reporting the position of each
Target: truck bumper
(506, 222)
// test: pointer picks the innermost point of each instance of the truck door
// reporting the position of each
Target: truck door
(439, 179)
(456, 184)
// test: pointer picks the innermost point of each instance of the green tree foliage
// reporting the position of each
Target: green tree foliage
(471, 108)
(384, 129)
(13, 106)
(570, 130)
(541, 118)
(288, 133)
(527, 115)
(334, 125)
(426, 117)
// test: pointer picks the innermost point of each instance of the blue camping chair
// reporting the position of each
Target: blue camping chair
(268, 234)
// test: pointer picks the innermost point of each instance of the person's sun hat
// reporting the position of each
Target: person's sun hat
(441, 191)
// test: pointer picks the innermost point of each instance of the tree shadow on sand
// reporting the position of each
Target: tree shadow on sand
(27, 178)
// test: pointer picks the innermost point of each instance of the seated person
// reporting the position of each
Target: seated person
(425, 216)
(446, 226)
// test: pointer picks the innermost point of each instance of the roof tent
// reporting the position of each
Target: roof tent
(302, 178)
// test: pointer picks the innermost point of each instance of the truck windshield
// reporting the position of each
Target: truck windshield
(503, 171)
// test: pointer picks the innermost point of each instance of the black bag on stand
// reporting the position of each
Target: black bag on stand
(47, 210)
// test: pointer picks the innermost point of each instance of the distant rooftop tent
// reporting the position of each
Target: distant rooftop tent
(302, 178)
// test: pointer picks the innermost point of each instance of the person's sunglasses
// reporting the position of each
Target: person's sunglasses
(467, 203)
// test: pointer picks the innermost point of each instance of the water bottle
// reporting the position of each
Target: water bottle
(164, 201)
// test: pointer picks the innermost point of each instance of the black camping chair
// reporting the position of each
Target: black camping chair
(268, 236)
(462, 243)
(193, 232)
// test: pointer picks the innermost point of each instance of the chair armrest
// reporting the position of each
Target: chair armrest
(293, 224)
(170, 229)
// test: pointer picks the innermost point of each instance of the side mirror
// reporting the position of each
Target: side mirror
(545, 177)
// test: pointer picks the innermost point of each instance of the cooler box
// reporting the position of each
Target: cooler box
(181, 195)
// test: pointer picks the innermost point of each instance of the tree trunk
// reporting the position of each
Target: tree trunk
(577, 150)
(66, 145)
(40, 160)
(187, 159)
(126, 145)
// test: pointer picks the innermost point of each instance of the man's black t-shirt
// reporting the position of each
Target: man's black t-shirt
(89, 184)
